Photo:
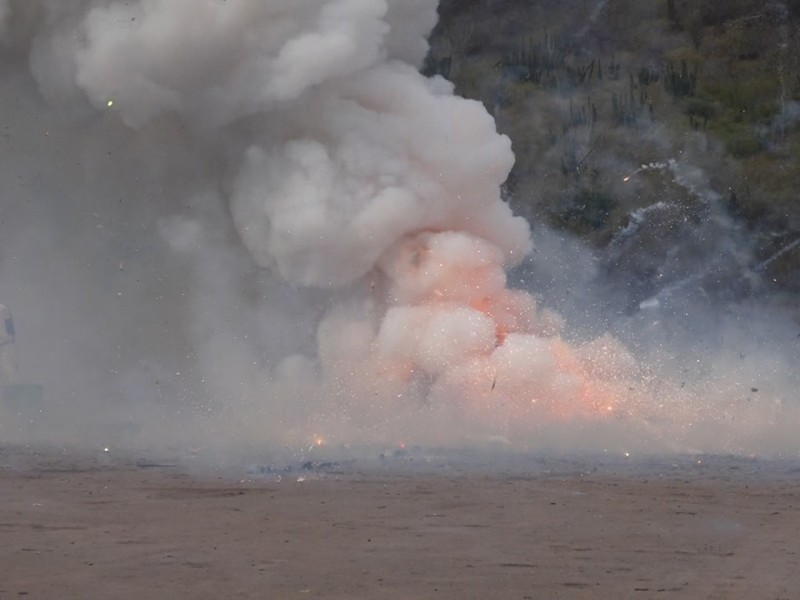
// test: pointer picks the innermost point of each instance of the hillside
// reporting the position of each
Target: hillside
(664, 132)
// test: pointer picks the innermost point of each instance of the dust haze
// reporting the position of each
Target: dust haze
(229, 223)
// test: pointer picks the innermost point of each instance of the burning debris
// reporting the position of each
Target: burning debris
(652, 166)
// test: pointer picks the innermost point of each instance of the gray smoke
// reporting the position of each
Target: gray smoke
(147, 140)
(230, 222)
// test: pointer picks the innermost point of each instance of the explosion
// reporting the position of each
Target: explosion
(307, 128)
(346, 169)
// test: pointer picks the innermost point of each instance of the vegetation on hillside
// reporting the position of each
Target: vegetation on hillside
(614, 106)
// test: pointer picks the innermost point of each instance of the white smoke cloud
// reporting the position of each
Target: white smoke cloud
(216, 61)
(366, 164)
(302, 132)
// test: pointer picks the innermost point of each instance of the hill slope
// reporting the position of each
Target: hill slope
(662, 131)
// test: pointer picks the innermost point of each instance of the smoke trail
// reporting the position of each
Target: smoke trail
(372, 302)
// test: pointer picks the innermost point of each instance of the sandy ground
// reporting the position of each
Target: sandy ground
(74, 525)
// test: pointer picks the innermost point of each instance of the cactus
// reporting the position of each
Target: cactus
(681, 84)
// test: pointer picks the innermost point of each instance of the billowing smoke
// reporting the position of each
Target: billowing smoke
(258, 220)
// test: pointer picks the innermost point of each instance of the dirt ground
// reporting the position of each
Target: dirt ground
(76, 526)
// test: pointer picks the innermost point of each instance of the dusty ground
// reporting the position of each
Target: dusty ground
(75, 526)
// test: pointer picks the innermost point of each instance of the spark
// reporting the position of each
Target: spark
(110, 103)
(636, 172)
(652, 166)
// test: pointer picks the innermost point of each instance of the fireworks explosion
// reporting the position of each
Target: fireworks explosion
(341, 168)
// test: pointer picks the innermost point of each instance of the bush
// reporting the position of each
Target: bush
(713, 13)
(701, 109)
(743, 146)
(589, 210)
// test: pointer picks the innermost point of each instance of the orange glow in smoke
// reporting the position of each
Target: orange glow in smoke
(486, 306)
(529, 375)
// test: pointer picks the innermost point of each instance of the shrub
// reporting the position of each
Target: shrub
(588, 210)
(742, 145)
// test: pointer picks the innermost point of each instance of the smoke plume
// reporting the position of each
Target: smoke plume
(238, 220)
